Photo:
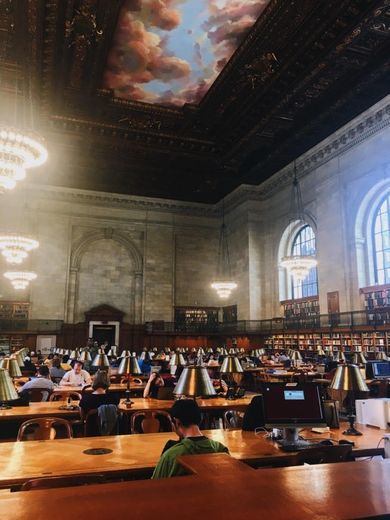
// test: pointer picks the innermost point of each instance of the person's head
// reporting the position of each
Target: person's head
(56, 362)
(65, 358)
(77, 367)
(156, 379)
(43, 371)
(100, 380)
(185, 414)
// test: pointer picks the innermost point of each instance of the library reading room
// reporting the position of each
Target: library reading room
(195, 259)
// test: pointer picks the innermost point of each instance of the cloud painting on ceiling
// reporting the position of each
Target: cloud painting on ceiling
(170, 51)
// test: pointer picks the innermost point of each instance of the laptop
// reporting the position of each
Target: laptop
(381, 370)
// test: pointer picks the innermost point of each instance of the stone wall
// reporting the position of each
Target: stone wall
(146, 256)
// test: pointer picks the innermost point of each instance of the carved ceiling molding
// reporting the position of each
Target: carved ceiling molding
(94, 198)
(358, 130)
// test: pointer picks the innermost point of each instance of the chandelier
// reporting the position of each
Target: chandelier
(15, 248)
(298, 266)
(19, 150)
(223, 283)
(20, 279)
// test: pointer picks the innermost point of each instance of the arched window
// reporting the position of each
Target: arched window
(304, 243)
(381, 242)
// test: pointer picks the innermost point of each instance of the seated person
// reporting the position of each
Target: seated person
(99, 396)
(212, 362)
(49, 360)
(155, 381)
(56, 372)
(254, 415)
(77, 376)
(29, 365)
(220, 386)
(42, 380)
(186, 417)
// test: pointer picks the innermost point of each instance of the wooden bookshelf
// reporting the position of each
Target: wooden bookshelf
(301, 308)
(376, 302)
(368, 342)
(187, 317)
(14, 310)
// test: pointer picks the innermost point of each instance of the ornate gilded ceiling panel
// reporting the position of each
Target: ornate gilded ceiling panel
(263, 81)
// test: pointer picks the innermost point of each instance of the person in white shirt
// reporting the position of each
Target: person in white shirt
(77, 376)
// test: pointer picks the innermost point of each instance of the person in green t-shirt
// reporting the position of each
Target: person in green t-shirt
(186, 418)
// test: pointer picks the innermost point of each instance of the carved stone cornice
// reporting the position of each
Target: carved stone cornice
(95, 198)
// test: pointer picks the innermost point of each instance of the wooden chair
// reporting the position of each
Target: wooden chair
(151, 422)
(133, 380)
(38, 395)
(324, 455)
(85, 389)
(64, 396)
(59, 482)
(44, 429)
(232, 419)
(91, 424)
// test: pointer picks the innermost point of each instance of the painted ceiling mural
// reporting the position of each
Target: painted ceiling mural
(170, 51)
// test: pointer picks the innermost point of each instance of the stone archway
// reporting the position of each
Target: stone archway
(78, 251)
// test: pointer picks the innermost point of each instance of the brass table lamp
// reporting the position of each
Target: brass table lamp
(101, 361)
(7, 390)
(348, 378)
(129, 366)
(194, 382)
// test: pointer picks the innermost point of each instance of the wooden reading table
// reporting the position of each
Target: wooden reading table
(136, 455)
(220, 487)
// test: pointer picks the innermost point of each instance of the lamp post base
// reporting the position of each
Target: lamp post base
(351, 430)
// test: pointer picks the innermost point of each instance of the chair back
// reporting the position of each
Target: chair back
(151, 422)
(59, 482)
(324, 455)
(38, 395)
(91, 422)
(232, 419)
(64, 396)
(85, 389)
(56, 379)
(43, 429)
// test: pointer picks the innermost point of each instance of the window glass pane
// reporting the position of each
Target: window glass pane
(381, 241)
(304, 244)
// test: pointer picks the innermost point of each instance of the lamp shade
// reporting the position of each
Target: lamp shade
(296, 355)
(7, 389)
(224, 352)
(194, 382)
(125, 353)
(231, 365)
(177, 360)
(129, 365)
(145, 356)
(85, 356)
(12, 366)
(340, 356)
(358, 359)
(75, 354)
(101, 360)
(200, 352)
(321, 352)
(161, 356)
(113, 351)
(381, 356)
(348, 378)
(19, 359)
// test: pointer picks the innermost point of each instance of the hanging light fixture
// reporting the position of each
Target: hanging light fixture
(15, 248)
(20, 279)
(223, 283)
(19, 150)
(298, 266)
(21, 147)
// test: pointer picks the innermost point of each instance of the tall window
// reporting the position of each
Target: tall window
(381, 242)
(303, 244)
